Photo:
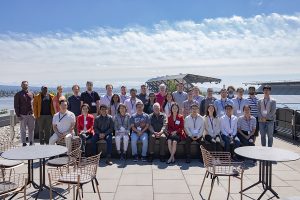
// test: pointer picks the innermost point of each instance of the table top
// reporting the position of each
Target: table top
(267, 153)
(34, 152)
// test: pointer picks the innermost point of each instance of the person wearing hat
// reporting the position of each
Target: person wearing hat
(228, 125)
(220, 103)
(266, 116)
(43, 111)
(194, 127)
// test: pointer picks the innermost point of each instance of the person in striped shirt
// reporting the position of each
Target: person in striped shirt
(253, 106)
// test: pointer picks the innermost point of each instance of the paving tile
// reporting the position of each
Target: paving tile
(134, 193)
(170, 186)
(136, 179)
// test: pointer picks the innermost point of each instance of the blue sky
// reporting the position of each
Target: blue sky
(237, 41)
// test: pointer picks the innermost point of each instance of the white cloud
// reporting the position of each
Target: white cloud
(264, 45)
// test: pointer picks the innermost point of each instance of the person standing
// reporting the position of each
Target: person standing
(160, 96)
(23, 104)
(131, 103)
(209, 99)
(123, 95)
(230, 92)
(74, 103)
(239, 102)
(169, 100)
(43, 112)
(139, 123)
(220, 103)
(194, 127)
(63, 125)
(148, 108)
(187, 104)
(103, 127)
(180, 96)
(114, 104)
(158, 129)
(197, 95)
(143, 95)
(106, 99)
(266, 116)
(254, 108)
(91, 98)
(57, 98)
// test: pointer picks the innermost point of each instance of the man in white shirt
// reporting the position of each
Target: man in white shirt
(63, 125)
(228, 125)
(194, 127)
(106, 99)
(239, 102)
(131, 102)
(123, 95)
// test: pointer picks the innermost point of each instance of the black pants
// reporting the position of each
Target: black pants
(212, 145)
(188, 142)
(245, 141)
(84, 137)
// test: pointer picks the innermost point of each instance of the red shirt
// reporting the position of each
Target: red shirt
(89, 125)
(160, 99)
(179, 127)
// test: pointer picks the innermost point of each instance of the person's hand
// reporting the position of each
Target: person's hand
(218, 139)
(139, 133)
(263, 119)
(213, 140)
(101, 135)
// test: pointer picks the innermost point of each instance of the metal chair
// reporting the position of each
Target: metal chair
(220, 164)
(13, 183)
(72, 159)
(77, 176)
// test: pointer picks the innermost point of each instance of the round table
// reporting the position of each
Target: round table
(266, 156)
(35, 152)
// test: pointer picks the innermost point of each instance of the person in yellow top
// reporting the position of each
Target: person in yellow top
(43, 111)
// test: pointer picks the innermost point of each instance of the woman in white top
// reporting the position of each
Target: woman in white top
(114, 104)
(212, 130)
(169, 100)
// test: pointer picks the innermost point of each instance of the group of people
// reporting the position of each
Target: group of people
(218, 124)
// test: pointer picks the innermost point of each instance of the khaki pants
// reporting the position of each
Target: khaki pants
(162, 144)
(27, 122)
(68, 139)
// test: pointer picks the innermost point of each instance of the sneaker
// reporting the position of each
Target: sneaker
(135, 158)
(144, 159)
(30, 143)
(108, 162)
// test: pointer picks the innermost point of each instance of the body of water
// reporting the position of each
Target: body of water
(6, 103)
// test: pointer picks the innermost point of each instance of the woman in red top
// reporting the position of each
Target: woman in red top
(85, 125)
(175, 131)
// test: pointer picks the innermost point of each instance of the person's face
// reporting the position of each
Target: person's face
(247, 110)
(116, 98)
(211, 109)
(59, 90)
(156, 109)
(143, 90)
(174, 109)
(89, 87)
(152, 97)
(224, 94)
(24, 86)
(190, 95)
(209, 93)
(195, 110)
(44, 91)
(162, 89)
(133, 94)
(251, 91)
(84, 110)
(228, 110)
(103, 111)
(122, 110)
(196, 91)
(267, 91)
(169, 97)
(76, 90)
(109, 89)
(240, 93)
(230, 91)
(123, 90)
(139, 108)
(180, 87)
(63, 106)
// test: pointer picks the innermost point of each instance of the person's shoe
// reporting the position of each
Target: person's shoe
(30, 143)
(144, 159)
(120, 156)
(108, 162)
(24, 144)
(135, 158)
(188, 159)
(162, 159)
(125, 156)
(150, 158)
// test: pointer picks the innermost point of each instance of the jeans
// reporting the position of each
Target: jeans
(108, 139)
(229, 147)
(266, 128)
(143, 138)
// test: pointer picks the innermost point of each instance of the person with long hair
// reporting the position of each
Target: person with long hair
(114, 104)
(57, 98)
(169, 100)
(149, 105)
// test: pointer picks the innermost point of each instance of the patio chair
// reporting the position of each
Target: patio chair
(11, 184)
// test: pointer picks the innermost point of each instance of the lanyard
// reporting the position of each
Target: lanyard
(108, 98)
(230, 122)
(122, 120)
(265, 104)
(211, 122)
(223, 105)
(194, 120)
(239, 102)
(91, 95)
(132, 104)
(60, 118)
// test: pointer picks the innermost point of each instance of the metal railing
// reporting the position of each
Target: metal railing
(288, 122)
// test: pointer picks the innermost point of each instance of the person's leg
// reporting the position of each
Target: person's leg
(108, 139)
(23, 124)
(125, 143)
(118, 143)
(152, 141)
(41, 127)
(262, 130)
(68, 141)
(134, 139)
(208, 143)
(244, 141)
(48, 128)
(53, 139)
(226, 142)
(174, 147)
(95, 139)
(31, 126)
(188, 142)
(162, 143)
(270, 132)
(170, 147)
(83, 138)
(144, 139)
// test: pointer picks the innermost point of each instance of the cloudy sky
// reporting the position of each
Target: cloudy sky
(130, 41)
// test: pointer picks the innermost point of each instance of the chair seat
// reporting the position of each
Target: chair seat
(224, 170)
(60, 161)
(7, 186)
(72, 178)
(4, 163)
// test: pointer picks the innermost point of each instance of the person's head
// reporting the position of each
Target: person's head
(152, 98)
(251, 90)
(89, 86)
(228, 109)
(267, 90)
(196, 91)
(59, 90)
(240, 92)
(169, 97)
(223, 93)
(24, 85)
(162, 88)
(44, 90)
(230, 90)
(109, 89)
(63, 105)
(122, 109)
(175, 109)
(180, 87)
(103, 109)
(123, 90)
(115, 99)
(156, 108)
(190, 94)
(143, 89)
(194, 109)
(139, 107)
(247, 110)
(85, 109)
(133, 92)
(210, 92)
(211, 111)
(76, 89)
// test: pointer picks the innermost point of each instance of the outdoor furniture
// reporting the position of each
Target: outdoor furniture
(77, 176)
(13, 183)
(36, 152)
(76, 142)
(266, 156)
(72, 159)
(220, 164)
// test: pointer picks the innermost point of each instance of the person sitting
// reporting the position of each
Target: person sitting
(246, 126)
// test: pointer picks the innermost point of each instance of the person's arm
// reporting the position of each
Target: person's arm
(201, 127)
(205, 131)
(91, 121)
(17, 104)
(116, 125)
(147, 125)
(202, 107)
(35, 106)
(54, 105)
(217, 128)
(165, 125)
(216, 106)
(272, 113)
(151, 129)
(259, 114)
(110, 127)
(186, 127)
(235, 128)
(96, 129)
(79, 129)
